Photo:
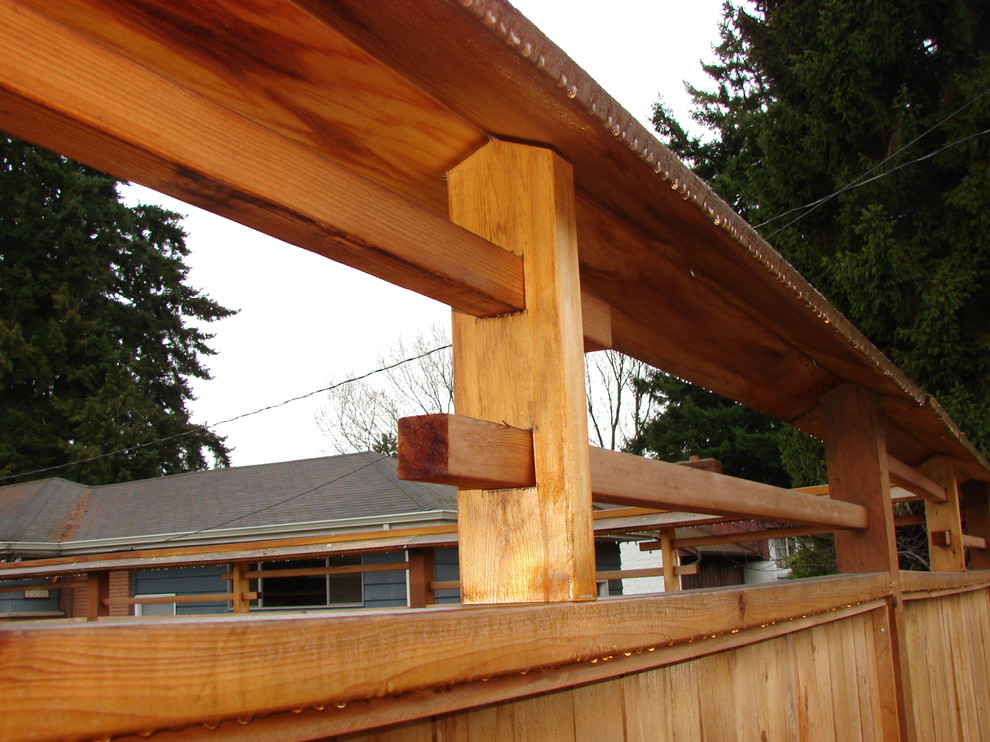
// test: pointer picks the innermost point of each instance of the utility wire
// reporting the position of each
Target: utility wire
(207, 426)
(859, 180)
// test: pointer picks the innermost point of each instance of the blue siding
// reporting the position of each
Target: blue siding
(385, 589)
(17, 603)
(445, 567)
(185, 581)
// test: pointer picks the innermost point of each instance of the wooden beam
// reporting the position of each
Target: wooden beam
(596, 317)
(165, 599)
(857, 471)
(622, 574)
(902, 475)
(239, 588)
(743, 537)
(458, 450)
(102, 109)
(670, 561)
(616, 478)
(624, 479)
(526, 370)
(77, 681)
(946, 552)
(422, 571)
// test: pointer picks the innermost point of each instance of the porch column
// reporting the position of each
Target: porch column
(526, 369)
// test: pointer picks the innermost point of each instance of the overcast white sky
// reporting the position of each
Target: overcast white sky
(305, 321)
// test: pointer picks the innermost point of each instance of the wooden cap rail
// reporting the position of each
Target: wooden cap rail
(108, 683)
(451, 449)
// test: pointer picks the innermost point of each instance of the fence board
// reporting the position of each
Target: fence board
(948, 648)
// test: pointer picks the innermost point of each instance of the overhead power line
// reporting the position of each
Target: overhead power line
(865, 178)
(208, 426)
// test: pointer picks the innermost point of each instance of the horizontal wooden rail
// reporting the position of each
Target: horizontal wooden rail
(433, 455)
(974, 542)
(353, 569)
(742, 537)
(164, 599)
(916, 585)
(613, 574)
(736, 538)
(914, 481)
(623, 574)
(112, 679)
(62, 585)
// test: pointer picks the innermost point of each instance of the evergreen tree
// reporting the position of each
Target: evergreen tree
(696, 422)
(889, 104)
(96, 344)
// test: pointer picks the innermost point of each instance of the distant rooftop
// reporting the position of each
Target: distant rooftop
(327, 490)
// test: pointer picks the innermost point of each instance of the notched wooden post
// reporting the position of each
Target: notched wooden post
(97, 594)
(526, 370)
(944, 520)
(856, 456)
(976, 507)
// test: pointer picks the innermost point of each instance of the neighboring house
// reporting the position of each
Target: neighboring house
(330, 497)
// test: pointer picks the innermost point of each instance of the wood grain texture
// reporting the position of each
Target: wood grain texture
(948, 553)
(453, 449)
(526, 370)
(856, 456)
(117, 115)
(463, 451)
(624, 479)
(126, 677)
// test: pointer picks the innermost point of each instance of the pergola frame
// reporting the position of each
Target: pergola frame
(448, 147)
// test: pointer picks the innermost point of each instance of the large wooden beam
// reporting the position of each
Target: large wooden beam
(946, 551)
(432, 448)
(64, 92)
(526, 370)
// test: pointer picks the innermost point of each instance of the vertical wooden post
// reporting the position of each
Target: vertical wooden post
(671, 580)
(239, 587)
(944, 520)
(856, 456)
(976, 508)
(421, 574)
(97, 591)
(527, 369)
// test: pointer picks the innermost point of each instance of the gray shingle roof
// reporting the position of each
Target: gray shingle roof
(360, 485)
